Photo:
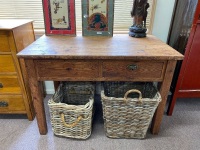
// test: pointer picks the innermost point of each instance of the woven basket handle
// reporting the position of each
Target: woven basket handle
(70, 125)
(132, 91)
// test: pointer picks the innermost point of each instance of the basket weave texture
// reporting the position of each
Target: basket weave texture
(126, 114)
(71, 109)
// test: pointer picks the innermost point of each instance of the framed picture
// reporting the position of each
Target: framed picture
(97, 16)
(59, 17)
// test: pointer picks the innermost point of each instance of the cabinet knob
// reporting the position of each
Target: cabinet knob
(132, 67)
(3, 104)
(1, 85)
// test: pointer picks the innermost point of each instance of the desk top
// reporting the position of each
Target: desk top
(120, 46)
(9, 24)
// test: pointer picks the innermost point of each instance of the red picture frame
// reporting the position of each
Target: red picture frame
(59, 17)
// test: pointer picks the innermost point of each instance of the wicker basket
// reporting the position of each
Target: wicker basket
(71, 110)
(128, 117)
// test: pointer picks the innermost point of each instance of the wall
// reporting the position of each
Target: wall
(49, 87)
(162, 20)
(161, 25)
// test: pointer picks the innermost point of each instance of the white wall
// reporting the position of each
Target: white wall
(49, 87)
(163, 15)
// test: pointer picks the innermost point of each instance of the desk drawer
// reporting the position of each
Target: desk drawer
(6, 64)
(10, 103)
(133, 70)
(9, 85)
(4, 42)
(68, 69)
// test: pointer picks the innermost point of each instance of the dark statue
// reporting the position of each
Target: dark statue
(139, 15)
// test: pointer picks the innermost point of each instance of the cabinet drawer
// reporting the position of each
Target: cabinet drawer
(9, 85)
(6, 64)
(69, 69)
(133, 70)
(4, 41)
(10, 103)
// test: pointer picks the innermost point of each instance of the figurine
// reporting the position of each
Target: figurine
(139, 15)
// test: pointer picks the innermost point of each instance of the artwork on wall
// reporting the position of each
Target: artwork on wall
(59, 17)
(97, 17)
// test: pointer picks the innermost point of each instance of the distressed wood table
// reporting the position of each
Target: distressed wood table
(117, 58)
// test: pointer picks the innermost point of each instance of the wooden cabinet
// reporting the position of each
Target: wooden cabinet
(188, 84)
(180, 29)
(15, 96)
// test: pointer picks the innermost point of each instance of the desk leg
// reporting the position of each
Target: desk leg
(37, 96)
(164, 91)
(56, 84)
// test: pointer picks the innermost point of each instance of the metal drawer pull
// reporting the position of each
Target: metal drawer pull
(1, 85)
(3, 104)
(132, 67)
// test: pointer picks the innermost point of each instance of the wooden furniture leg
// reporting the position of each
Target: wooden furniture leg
(164, 91)
(37, 96)
(171, 104)
(56, 84)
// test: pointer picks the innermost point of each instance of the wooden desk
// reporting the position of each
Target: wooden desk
(61, 58)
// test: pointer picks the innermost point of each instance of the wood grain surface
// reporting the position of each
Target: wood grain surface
(120, 46)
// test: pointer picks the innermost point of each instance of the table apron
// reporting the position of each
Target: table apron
(100, 70)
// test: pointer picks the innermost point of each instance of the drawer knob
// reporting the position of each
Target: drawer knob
(1, 85)
(3, 104)
(132, 67)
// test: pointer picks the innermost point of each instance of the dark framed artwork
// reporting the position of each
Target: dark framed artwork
(97, 17)
(59, 17)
